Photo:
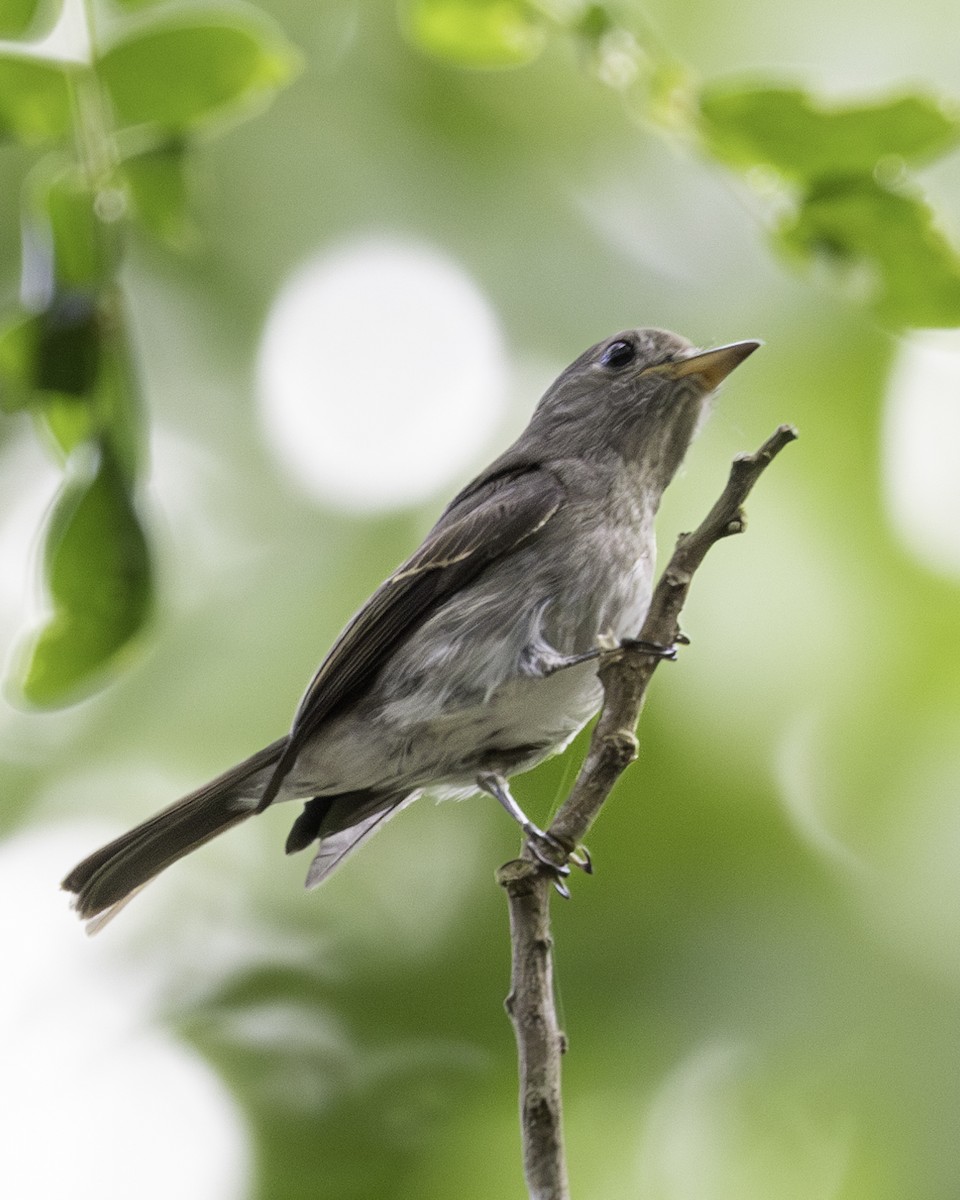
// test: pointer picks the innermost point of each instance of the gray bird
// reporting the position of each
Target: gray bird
(475, 658)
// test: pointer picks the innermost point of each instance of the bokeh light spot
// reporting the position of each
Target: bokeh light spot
(97, 1102)
(921, 448)
(381, 375)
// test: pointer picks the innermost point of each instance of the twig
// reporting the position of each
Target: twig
(625, 672)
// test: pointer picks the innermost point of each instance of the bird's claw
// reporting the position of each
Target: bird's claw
(544, 848)
(669, 653)
(581, 858)
(535, 836)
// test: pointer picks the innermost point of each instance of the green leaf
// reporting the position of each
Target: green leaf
(593, 23)
(81, 242)
(34, 99)
(109, 410)
(55, 351)
(67, 354)
(117, 399)
(911, 272)
(474, 33)
(159, 194)
(67, 423)
(28, 19)
(18, 352)
(99, 578)
(183, 71)
(802, 138)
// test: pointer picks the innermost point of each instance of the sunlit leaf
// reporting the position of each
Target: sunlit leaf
(98, 574)
(797, 135)
(182, 71)
(474, 33)
(34, 99)
(912, 274)
(158, 189)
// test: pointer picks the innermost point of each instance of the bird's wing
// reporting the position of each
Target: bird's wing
(483, 524)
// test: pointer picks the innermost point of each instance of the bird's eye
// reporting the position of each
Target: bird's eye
(618, 354)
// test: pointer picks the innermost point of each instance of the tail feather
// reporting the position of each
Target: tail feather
(106, 879)
(334, 847)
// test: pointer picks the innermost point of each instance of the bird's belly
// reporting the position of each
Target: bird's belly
(525, 720)
(478, 689)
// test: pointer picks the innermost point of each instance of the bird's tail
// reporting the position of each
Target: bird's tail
(111, 876)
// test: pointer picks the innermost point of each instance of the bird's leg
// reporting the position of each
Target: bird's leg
(573, 661)
(496, 786)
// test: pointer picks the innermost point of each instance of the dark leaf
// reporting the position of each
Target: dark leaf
(68, 347)
(57, 350)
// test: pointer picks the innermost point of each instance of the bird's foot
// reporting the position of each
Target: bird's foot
(549, 851)
(669, 653)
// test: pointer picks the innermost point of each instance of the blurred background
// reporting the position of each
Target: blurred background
(380, 274)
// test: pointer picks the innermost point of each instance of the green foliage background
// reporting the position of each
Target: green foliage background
(761, 984)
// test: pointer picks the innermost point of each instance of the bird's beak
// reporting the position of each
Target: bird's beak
(713, 366)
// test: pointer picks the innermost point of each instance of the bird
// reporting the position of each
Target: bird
(475, 659)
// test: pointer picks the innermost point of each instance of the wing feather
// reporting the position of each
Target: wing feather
(483, 524)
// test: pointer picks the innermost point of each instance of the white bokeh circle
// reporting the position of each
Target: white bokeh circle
(921, 447)
(381, 374)
(97, 1101)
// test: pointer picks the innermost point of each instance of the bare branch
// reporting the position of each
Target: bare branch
(625, 672)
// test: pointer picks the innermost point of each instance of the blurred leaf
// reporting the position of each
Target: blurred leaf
(109, 410)
(16, 16)
(67, 423)
(18, 348)
(80, 240)
(57, 350)
(34, 99)
(119, 415)
(593, 23)
(182, 71)
(474, 33)
(790, 130)
(159, 194)
(67, 354)
(98, 573)
(913, 272)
